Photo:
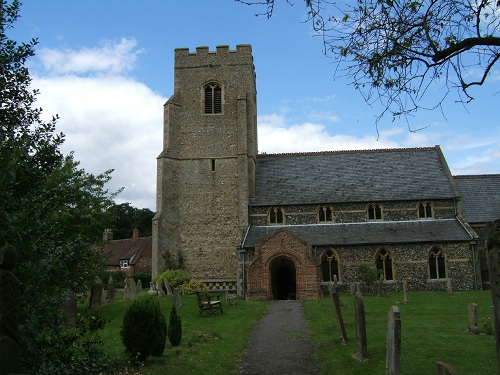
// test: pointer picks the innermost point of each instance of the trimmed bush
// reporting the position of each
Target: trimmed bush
(174, 278)
(174, 328)
(144, 329)
(192, 287)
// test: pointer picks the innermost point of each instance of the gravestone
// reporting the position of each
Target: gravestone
(111, 290)
(167, 286)
(151, 291)
(127, 292)
(352, 288)
(159, 287)
(338, 312)
(177, 297)
(70, 309)
(133, 288)
(380, 285)
(10, 292)
(104, 299)
(405, 292)
(96, 293)
(493, 256)
(473, 318)
(359, 310)
(138, 287)
(445, 369)
(393, 356)
(448, 286)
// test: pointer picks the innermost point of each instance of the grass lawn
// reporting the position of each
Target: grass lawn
(433, 329)
(210, 344)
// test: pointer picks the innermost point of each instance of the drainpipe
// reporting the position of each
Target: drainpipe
(243, 259)
(473, 248)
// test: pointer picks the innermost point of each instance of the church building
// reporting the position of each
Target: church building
(281, 226)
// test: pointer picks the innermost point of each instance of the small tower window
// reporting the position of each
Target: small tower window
(425, 210)
(325, 214)
(276, 215)
(213, 99)
(374, 212)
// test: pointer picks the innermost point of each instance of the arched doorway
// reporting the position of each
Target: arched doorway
(283, 279)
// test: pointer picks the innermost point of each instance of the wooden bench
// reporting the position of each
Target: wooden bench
(207, 303)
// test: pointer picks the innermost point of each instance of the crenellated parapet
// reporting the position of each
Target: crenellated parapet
(203, 57)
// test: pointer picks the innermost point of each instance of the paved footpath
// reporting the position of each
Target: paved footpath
(279, 343)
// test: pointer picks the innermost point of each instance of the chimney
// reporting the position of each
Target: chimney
(107, 235)
(135, 234)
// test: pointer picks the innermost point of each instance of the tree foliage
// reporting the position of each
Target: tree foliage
(393, 51)
(123, 218)
(51, 210)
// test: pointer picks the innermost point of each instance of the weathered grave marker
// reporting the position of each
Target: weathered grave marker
(96, 293)
(133, 288)
(393, 356)
(445, 369)
(127, 292)
(177, 297)
(138, 287)
(152, 290)
(405, 292)
(111, 290)
(159, 287)
(352, 288)
(449, 286)
(359, 310)
(70, 308)
(380, 285)
(338, 312)
(473, 318)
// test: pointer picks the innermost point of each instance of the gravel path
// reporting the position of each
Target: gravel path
(279, 343)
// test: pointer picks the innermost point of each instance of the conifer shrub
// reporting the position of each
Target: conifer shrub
(174, 328)
(144, 329)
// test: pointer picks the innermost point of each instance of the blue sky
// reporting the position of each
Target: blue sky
(106, 67)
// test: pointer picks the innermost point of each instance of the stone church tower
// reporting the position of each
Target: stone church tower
(206, 171)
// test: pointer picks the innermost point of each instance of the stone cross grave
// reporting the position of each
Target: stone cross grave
(393, 356)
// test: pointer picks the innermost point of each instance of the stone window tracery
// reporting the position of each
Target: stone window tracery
(213, 98)
(329, 266)
(383, 261)
(374, 212)
(276, 215)
(325, 214)
(437, 264)
(425, 210)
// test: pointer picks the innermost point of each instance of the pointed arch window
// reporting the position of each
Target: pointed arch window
(384, 264)
(437, 264)
(374, 212)
(213, 98)
(276, 215)
(425, 210)
(325, 214)
(329, 266)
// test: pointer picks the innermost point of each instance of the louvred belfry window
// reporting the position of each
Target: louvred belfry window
(213, 99)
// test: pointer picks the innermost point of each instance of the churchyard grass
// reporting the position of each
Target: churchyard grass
(433, 326)
(210, 344)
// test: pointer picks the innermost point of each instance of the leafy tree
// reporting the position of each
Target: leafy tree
(50, 210)
(393, 51)
(124, 218)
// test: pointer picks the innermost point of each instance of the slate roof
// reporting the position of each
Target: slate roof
(480, 197)
(380, 233)
(125, 249)
(352, 176)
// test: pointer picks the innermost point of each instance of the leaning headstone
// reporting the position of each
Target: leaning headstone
(493, 256)
(380, 285)
(405, 292)
(96, 293)
(473, 318)
(138, 287)
(167, 286)
(10, 292)
(338, 312)
(111, 290)
(393, 353)
(445, 369)
(177, 297)
(362, 353)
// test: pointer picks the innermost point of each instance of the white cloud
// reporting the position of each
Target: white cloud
(110, 121)
(111, 58)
